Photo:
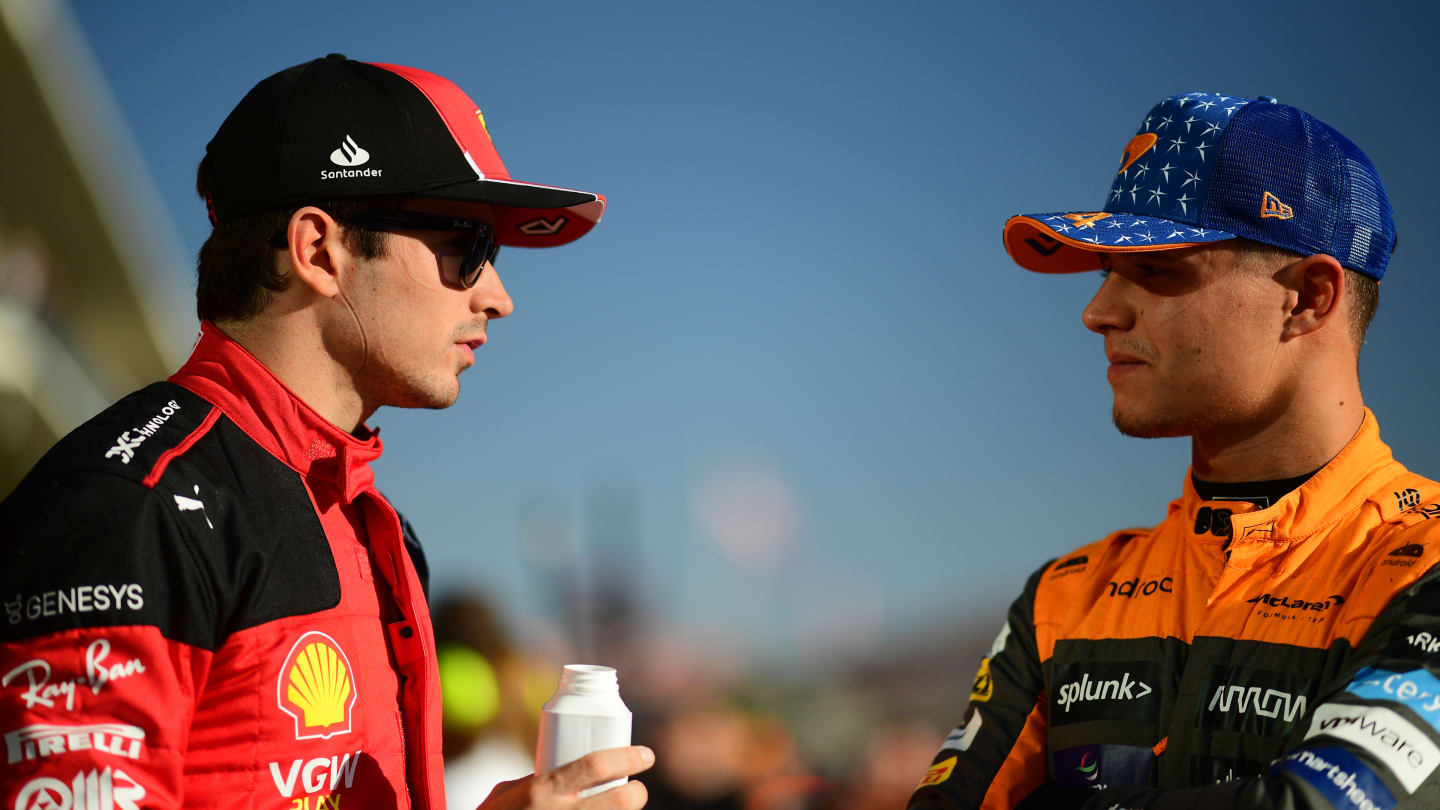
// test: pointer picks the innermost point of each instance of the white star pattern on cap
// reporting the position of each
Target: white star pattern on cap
(1156, 203)
(1172, 188)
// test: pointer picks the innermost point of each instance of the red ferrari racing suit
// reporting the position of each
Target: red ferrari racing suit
(208, 604)
(1232, 656)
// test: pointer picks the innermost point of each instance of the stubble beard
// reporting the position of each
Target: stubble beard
(416, 388)
(1163, 426)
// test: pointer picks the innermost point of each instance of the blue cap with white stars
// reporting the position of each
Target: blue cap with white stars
(1206, 167)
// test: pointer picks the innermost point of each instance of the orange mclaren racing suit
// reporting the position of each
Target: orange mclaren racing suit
(1232, 656)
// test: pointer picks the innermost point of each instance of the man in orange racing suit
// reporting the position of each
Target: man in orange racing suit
(1274, 642)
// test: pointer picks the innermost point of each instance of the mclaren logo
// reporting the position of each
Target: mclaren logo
(316, 688)
(1297, 603)
(1138, 146)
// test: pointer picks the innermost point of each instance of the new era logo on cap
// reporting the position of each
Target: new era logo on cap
(1272, 208)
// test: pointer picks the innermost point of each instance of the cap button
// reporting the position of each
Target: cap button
(337, 56)
(1269, 99)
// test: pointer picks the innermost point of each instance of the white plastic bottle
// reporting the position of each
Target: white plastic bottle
(586, 714)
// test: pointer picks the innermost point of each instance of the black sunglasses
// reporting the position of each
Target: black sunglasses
(457, 269)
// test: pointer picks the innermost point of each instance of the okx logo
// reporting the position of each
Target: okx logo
(1105, 690)
(316, 687)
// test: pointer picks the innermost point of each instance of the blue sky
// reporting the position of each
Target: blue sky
(794, 359)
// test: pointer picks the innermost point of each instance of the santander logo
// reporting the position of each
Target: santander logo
(349, 154)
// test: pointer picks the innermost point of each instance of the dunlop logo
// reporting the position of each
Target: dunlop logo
(315, 687)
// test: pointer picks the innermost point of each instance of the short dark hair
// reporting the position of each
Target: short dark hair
(1364, 291)
(236, 275)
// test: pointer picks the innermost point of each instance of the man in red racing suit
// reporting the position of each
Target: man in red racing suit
(1275, 641)
(208, 603)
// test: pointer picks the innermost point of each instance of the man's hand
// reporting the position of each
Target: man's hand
(559, 789)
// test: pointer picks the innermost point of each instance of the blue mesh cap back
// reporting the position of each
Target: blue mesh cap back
(1285, 178)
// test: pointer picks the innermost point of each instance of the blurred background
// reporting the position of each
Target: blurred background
(783, 436)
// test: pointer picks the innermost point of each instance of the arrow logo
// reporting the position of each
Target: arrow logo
(542, 226)
(1052, 244)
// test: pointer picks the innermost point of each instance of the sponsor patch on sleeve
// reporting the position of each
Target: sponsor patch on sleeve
(984, 686)
(1340, 777)
(1417, 689)
(938, 772)
(1409, 754)
(963, 735)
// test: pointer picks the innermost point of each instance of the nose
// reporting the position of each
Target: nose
(1108, 309)
(489, 295)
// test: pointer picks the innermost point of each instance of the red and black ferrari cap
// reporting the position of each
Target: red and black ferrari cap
(335, 128)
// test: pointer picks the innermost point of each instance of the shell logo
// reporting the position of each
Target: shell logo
(316, 688)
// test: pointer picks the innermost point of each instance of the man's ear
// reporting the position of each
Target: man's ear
(317, 251)
(1317, 284)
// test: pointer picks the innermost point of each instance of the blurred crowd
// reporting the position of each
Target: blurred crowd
(854, 738)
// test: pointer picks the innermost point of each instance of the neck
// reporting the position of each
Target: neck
(297, 354)
(1300, 438)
